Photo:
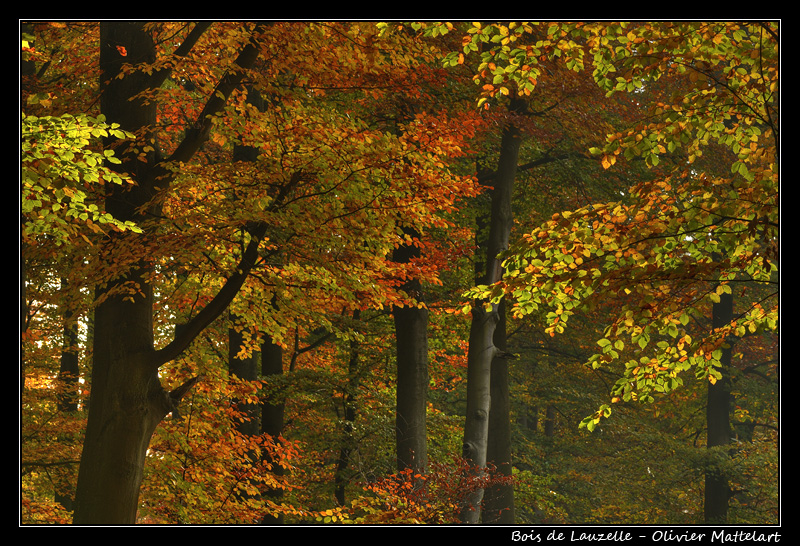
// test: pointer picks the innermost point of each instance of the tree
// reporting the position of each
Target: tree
(127, 400)
(482, 350)
(62, 167)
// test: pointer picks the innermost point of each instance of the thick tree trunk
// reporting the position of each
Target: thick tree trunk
(482, 350)
(127, 401)
(411, 327)
(718, 421)
(411, 335)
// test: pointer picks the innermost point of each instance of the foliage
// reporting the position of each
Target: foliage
(204, 471)
(49, 450)
(648, 189)
(677, 242)
(409, 498)
(58, 162)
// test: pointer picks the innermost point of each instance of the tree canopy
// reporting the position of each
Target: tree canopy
(399, 272)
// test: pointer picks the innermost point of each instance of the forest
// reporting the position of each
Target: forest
(399, 272)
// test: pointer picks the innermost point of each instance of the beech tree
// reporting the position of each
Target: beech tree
(482, 350)
(127, 400)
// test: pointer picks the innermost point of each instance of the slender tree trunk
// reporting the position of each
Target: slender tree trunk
(271, 409)
(485, 317)
(411, 335)
(27, 69)
(348, 442)
(68, 372)
(499, 501)
(718, 408)
(245, 367)
(67, 397)
(23, 318)
(476, 427)
(550, 421)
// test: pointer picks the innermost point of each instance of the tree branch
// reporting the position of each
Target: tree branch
(182, 50)
(217, 305)
(198, 133)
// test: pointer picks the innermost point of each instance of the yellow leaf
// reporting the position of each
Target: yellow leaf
(608, 160)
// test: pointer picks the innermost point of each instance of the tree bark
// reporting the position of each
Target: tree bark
(68, 394)
(411, 335)
(718, 421)
(550, 421)
(485, 317)
(499, 501)
(127, 400)
(69, 370)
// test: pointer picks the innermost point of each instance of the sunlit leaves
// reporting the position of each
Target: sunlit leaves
(58, 167)
(637, 255)
(591, 422)
(509, 54)
(340, 166)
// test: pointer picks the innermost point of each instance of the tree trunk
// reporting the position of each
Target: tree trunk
(482, 350)
(68, 372)
(127, 401)
(271, 409)
(272, 416)
(718, 421)
(550, 421)
(348, 442)
(23, 319)
(67, 396)
(411, 335)
(499, 501)
(244, 368)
